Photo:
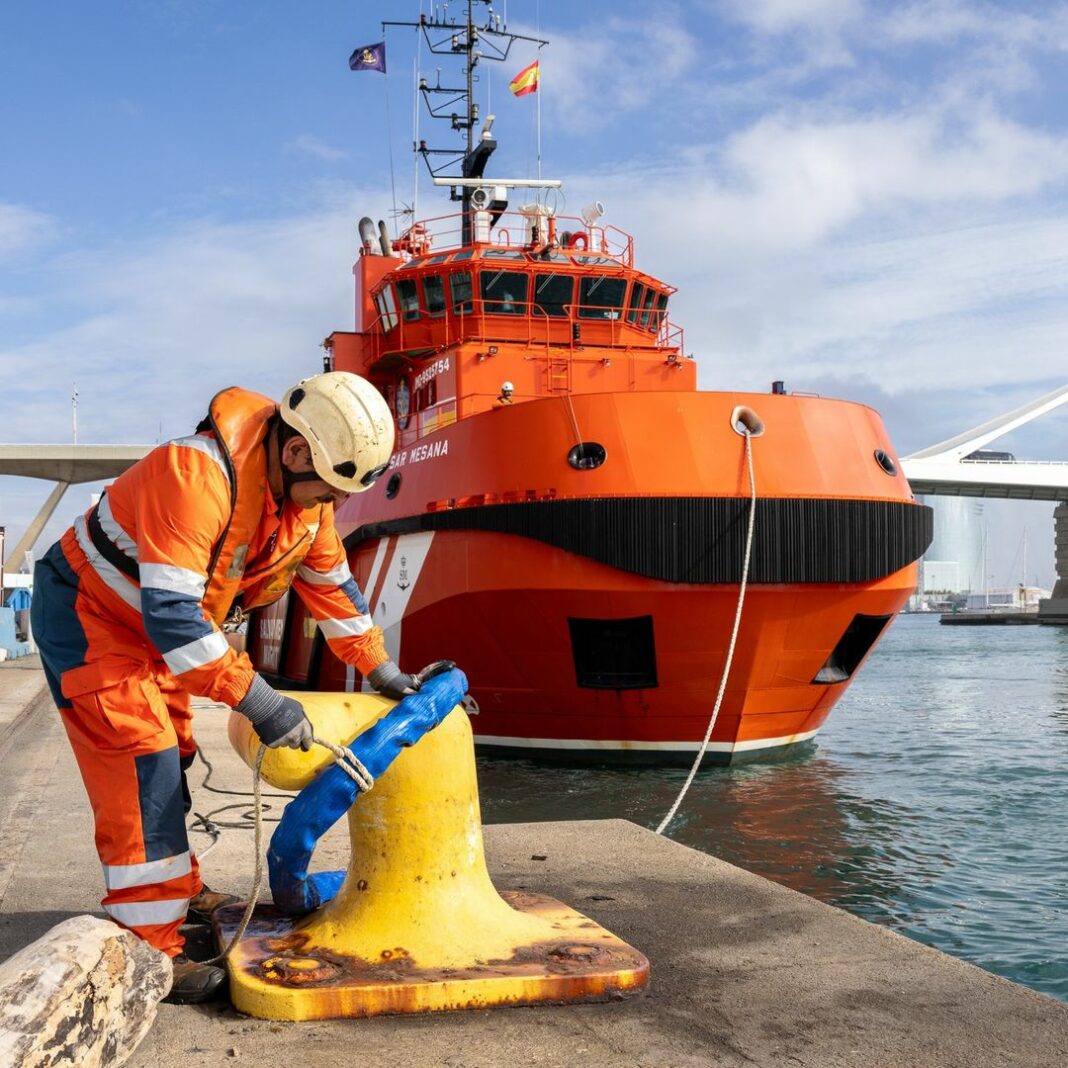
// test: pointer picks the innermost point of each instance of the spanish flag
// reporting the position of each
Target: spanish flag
(526, 81)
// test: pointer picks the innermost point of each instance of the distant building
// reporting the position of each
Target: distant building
(954, 562)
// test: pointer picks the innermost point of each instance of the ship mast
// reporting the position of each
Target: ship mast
(491, 41)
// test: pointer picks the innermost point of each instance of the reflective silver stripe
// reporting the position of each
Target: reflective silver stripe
(208, 446)
(115, 532)
(346, 628)
(113, 578)
(148, 913)
(122, 876)
(334, 577)
(174, 579)
(197, 654)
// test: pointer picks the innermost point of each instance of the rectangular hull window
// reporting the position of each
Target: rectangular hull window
(614, 654)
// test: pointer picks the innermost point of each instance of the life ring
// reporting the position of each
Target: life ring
(579, 242)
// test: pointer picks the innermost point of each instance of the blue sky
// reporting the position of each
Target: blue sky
(864, 199)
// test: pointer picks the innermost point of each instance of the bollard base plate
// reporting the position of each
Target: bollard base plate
(276, 974)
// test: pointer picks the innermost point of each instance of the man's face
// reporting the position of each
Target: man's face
(297, 457)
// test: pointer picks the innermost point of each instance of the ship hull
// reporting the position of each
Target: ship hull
(595, 627)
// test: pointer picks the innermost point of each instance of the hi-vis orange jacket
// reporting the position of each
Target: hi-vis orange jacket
(190, 527)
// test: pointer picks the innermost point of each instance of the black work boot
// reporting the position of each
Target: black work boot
(194, 982)
(206, 902)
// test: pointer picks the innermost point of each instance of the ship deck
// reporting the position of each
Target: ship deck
(742, 971)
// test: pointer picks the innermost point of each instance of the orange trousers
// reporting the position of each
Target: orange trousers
(130, 727)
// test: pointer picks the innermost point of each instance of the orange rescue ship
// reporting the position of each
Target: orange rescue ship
(577, 546)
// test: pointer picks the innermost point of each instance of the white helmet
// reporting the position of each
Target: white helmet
(347, 424)
(507, 387)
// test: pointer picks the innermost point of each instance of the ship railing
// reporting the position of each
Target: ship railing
(515, 231)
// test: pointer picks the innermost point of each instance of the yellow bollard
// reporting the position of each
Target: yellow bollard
(417, 925)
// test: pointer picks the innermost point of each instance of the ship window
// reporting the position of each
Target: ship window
(601, 298)
(660, 314)
(466, 255)
(408, 298)
(501, 254)
(434, 294)
(504, 292)
(460, 288)
(411, 263)
(438, 259)
(553, 293)
(647, 306)
(426, 395)
(636, 296)
(387, 308)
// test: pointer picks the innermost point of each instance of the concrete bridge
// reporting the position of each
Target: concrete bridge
(66, 466)
(962, 467)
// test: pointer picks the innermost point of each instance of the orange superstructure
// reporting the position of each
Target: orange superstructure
(576, 542)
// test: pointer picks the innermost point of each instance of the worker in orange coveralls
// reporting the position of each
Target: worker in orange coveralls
(127, 610)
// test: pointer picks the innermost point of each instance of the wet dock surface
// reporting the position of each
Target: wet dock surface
(743, 972)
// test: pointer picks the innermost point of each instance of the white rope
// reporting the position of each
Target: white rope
(734, 638)
(349, 764)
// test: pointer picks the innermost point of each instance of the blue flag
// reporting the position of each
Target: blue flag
(369, 57)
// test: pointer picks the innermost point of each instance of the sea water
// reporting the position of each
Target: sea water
(935, 802)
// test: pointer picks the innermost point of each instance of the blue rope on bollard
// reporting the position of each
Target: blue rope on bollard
(323, 802)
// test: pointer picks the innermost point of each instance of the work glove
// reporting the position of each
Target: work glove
(277, 719)
(391, 682)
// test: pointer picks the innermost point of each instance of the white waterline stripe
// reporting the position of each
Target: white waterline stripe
(623, 746)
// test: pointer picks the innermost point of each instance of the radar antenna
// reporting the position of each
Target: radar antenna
(491, 40)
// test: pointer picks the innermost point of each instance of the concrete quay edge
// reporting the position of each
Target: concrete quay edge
(743, 971)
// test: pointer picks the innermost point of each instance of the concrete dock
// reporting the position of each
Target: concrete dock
(744, 972)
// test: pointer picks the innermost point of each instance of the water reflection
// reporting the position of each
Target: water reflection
(796, 821)
(934, 803)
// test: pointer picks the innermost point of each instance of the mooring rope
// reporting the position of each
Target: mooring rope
(349, 763)
(734, 636)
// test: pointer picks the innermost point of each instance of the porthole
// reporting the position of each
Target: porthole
(885, 461)
(587, 455)
(393, 486)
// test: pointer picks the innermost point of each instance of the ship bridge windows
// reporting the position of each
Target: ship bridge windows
(659, 311)
(387, 309)
(434, 294)
(438, 259)
(460, 292)
(504, 292)
(647, 307)
(465, 255)
(637, 295)
(553, 293)
(408, 298)
(501, 254)
(601, 297)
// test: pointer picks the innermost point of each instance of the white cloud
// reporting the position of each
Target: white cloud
(780, 16)
(22, 229)
(312, 146)
(623, 66)
(174, 317)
